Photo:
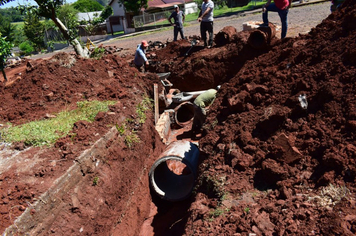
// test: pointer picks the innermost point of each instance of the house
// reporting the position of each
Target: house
(123, 21)
(88, 16)
(188, 6)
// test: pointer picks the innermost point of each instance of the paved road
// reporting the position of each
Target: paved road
(301, 18)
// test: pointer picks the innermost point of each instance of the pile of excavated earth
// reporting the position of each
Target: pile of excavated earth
(277, 150)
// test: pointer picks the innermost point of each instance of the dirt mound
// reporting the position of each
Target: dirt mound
(272, 166)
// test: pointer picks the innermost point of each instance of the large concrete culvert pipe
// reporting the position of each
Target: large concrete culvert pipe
(184, 113)
(261, 37)
(172, 176)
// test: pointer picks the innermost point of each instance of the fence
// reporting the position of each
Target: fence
(150, 19)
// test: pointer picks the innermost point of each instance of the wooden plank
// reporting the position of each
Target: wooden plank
(155, 89)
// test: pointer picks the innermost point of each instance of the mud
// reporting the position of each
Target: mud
(267, 165)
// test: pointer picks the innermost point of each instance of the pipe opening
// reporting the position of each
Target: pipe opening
(184, 113)
(257, 39)
(172, 179)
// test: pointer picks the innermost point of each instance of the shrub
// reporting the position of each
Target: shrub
(26, 47)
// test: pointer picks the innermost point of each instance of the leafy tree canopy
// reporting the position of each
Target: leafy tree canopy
(69, 16)
(34, 29)
(134, 5)
(12, 13)
(103, 2)
(87, 6)
(7, 29)
(47, 9)
(5, 51)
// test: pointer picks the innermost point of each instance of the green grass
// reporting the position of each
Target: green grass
(18, 24)
(46, 132)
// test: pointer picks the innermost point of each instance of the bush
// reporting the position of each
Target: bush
(26, 47)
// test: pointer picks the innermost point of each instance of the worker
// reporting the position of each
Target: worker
(179, 18)
(201, 103)
(280, 6)
(206, 19)
(140, 56)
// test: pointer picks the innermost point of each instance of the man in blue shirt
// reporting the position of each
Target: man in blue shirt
(140, 56)
(179, 18)
(206, 17)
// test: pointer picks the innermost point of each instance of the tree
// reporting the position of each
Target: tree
(134, 6)
(47, 9)
(5, 51)
(34, 29)
(12, 13)
(103, 2)
(69, 16)
(92, 25)
(87, 6)
(6, 29)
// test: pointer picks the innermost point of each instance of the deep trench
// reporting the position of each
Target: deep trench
(172, 217)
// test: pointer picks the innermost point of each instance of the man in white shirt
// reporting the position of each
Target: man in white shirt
(206, 17)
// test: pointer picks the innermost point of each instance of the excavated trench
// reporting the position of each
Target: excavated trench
(65, 202)
(173, 175)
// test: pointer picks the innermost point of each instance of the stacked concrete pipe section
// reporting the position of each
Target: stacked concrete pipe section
(172, 176)
(184, 113)
(261, 37)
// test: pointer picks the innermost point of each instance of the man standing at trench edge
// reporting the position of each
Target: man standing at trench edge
(179, 18)
(206, 17)
(280, 6)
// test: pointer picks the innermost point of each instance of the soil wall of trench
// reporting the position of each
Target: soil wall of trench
(267, 165)
(93, 181)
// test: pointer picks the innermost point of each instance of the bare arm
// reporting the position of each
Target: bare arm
(202, 15)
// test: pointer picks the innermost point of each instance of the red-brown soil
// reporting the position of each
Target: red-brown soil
(267, 166)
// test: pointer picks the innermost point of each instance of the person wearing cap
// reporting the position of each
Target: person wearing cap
(179, 18)
(140, 56)
(206, 18)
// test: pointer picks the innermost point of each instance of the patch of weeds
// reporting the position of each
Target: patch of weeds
(217, 212)
(331, 195)
(46, 132)
(142, 107)
(130, 120)
(95, 180)
(247, 210)
(131, 139)
(121, 129)
(212, 186)
(97, 53)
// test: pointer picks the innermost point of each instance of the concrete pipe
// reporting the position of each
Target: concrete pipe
(184, 113)
(261, 37)
(173, 175)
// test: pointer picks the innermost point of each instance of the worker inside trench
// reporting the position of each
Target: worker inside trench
(173, 175)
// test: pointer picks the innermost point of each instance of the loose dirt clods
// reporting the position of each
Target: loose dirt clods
(267, 165)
